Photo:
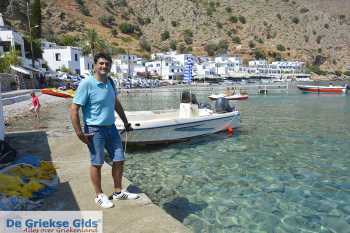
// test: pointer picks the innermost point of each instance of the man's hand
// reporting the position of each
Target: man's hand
(128, 127)
(84, 137)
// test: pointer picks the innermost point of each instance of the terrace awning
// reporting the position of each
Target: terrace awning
(21, 70)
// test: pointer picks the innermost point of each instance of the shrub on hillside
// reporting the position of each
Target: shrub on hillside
(173, 45)
(279, 16)
(280, 47)
(318, 39)
(121, 3)
(228, 9)
(236, 40)
(187, 34)
(127, 28)
(83, 9)
(165, 35)
(259, 54)
(145, 45)
(181, 48)
(140, 20)
(210, 49)
(295, 20)
(114, 32)
(304, 10)
(147, 20)
(251, 44)
(242, 19)
(107, 20)
(174, 23)
(233, 19)
(316, 69)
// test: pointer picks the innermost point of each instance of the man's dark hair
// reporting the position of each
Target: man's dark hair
(102, 55)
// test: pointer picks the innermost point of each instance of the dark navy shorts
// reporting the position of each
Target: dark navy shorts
(104, 137)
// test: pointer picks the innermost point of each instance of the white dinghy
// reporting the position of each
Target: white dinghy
(164, 126)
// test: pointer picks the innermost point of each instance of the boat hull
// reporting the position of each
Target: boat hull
(230, 97)
(179, 129)
(323, 89)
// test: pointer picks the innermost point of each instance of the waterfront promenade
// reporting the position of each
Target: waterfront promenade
(53, 140)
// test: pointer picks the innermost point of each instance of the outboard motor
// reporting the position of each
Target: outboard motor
(187, 97)
(222, 105)
(205, 105)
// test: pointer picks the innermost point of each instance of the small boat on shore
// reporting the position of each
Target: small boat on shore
(323, 89)
(58, 93)
(229, 97)
(165, 126)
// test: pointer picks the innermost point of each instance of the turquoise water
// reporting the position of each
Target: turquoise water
(286, 170)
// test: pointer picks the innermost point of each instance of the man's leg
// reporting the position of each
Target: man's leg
(115, 149)
(96, 148)
(117, 173)
(95, 175)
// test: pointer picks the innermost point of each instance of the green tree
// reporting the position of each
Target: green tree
(9, 58)
(37, 52)
(92, 43)
(36, 19)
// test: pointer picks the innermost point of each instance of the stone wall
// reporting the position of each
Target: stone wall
(10, 82)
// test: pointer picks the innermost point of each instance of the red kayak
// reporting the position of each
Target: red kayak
(323, 89)
(58, 93)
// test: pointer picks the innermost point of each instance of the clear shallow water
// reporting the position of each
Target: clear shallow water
(286, 170)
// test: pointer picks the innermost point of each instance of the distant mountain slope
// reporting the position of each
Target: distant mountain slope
(311, 30)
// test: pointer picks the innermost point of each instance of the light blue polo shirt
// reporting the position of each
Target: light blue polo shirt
(97, 100)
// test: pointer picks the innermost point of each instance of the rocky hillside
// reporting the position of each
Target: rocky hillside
(316, 31)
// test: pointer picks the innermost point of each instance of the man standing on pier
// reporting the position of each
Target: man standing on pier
(97, 96)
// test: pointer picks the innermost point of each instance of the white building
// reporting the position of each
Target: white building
(204, 70)
(289, 66)
(257, 63)
(167, 69)
(10, 39)
(127, 65)
(58, 57)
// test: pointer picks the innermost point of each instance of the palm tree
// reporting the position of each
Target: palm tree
(92, 43)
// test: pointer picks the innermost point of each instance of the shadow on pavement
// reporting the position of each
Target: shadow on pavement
(36, 143)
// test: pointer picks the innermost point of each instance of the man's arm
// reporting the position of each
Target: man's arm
(74, 116)
(119, 109)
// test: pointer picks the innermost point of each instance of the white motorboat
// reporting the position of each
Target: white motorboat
(237, 96)
(163, 126)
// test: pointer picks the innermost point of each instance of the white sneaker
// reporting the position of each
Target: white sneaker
(124, 195)
(103, 201)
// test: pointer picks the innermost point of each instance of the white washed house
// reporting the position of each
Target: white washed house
(10, 39)
(58, 57)
(167, 69)
(204, 70)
